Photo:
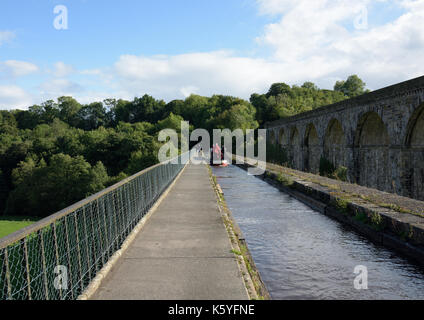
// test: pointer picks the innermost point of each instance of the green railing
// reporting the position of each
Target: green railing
(57, 257)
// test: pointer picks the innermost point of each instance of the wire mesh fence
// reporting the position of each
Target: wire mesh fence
(56, 258)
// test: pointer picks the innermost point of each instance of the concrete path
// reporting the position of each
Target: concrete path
(182, 253)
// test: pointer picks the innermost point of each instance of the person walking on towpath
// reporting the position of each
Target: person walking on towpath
(217, 152)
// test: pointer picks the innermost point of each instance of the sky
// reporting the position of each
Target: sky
(93, 50)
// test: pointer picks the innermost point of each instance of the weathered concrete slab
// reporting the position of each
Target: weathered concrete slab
(182, 253)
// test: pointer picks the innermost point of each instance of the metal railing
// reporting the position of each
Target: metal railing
(57, 257)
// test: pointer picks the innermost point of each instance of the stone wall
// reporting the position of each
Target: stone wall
(378, 136)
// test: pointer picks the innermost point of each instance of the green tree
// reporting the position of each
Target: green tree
(352, 87)
(92, 116)
(310, 85)
(197, 110)
(240, 116)
(171, 122)
(175, 106)
(8, 123)
(48, 111)
(42, 189)
(260, 102)
(140, 160)
(68, 110)
(279, 88)
(4, 192)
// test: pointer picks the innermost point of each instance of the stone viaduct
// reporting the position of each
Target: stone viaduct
(378, 136)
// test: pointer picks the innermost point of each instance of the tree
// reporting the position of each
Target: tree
(147, 109)
(140, 160)
(310, 85)
(240, 116)
(197, 110)
(352, 87)
(279, 88)
(4, 192)
(171, 122)
(121, 111)
(49, 111)
(43, 189)
(68, 110)
(27, 119)
(260, 102)
(175, 106)
(8, 123)
(92, 116)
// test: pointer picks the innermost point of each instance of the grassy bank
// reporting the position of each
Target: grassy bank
(9, 225)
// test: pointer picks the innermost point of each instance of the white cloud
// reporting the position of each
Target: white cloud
(62, 70)
(313, 37)
(18, 68)
(14, 97)
(187, 91)
(6, 36)
(92, 72)
(172, 77)
(311, 41)
(59, 87)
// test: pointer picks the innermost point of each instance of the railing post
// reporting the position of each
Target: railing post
(102, 251)
(43, 261)
(56, 245)
(97, 239)
(78, 250)
(152, 191)
(115, 218)
(9, 284)
(68, 249)
(123, 222)
(142, 197)
(86, 243)
(135, 202)
(92, 233)
(106, 250)
(130, 209)
(107, 222)
(28, 278)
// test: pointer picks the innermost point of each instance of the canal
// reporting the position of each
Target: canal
(303, 254)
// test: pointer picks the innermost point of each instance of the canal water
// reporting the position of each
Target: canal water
(302, 254)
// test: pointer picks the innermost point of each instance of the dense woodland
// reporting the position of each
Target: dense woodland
(59, 152)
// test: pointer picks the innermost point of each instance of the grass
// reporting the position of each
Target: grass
(8, 225)
(285, 180)
(341, 205)
(236, 252)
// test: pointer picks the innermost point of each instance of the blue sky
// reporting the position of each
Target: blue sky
(100, 31)
(171, 48)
